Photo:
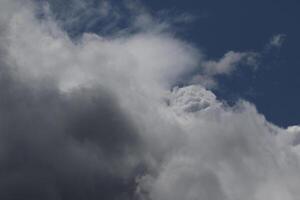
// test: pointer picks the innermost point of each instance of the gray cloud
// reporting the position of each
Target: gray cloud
(277, 41)
(98, 118)
(56, 146)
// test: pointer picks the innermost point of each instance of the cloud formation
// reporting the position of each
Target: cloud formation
(102, 117)
(277, 40)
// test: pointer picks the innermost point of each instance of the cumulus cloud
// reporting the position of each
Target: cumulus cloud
(101, 117)
(229, 153)
(191, 99)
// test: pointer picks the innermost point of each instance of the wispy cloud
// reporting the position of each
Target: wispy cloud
(277, 40)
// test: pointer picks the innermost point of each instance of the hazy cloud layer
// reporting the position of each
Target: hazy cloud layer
(104, 118)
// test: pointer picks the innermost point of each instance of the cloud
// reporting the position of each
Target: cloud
(64, 146)
(277, 40)
(229, 153)
(229, 62)
(100, 117)
(191, 99)
(224, 66)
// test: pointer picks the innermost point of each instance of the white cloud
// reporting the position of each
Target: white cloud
(227, 154)
(228, 63)
(277, 40)
(191, 99)
(225, 66)
(292, 137)
(195, 147)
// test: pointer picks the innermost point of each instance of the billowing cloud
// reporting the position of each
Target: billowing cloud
(228, 153)
(101, 117)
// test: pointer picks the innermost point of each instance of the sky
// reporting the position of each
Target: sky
(250, 25)
(218, 27)
(149, 100)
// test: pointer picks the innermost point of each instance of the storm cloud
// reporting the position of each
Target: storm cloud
(107, 117)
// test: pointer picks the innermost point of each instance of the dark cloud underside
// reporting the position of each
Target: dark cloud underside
(58, 146)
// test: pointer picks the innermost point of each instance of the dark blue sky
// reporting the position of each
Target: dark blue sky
(237, 25)
(248, 25)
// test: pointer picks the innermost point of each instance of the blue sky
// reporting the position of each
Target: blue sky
(249, 25)
(220, 26)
